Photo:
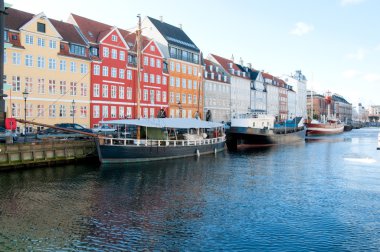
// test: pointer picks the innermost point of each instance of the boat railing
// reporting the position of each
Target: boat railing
(151, 142)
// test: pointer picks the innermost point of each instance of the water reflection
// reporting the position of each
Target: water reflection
(305, 196)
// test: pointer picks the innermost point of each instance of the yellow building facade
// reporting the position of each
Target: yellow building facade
(49, 61)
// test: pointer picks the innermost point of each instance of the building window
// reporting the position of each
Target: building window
(94, 51)
(73, 88)
(152, 48)
(83, 111)
(113, 91)
(114, 53)
(106, 52)
(96, 111)
(16, 84)
(152, 62)
(29, 84)
(145, 60)
(77, 50)
(184, 69)
(105, 91)
(83, 68)
(40, 110)
(41, 27)
(105, 71)
(41, 85)
(177, 97)
(16, 110)
(114, 38)
(163, 96)
(145, 94)
(183, 98)
(40, 62)
(122, 55)
(51, 86)
(158, 95)
(28, 60)
(129, 93)
(158, 79)
(178, 67)
(152, 78)
(158, 63)
(171, 81)
(163, 80)
(52, 111)
(73, 67)
(113, 111)
(29, 39)
(52, 44)
(16, 58)
(62, 65)
(121, 92)
(189, 100)
(52, 64)
(96, 90)
(83, 89)
(129, 74)
(121, 112)
(171, 97)
(62, 111)
(183, 83)
(177, 82)
(129, 112)
(41, 42)
(152, 96)
(62, 87)
(105, 111)
(113, 72)
(121, 73)
(96, 70)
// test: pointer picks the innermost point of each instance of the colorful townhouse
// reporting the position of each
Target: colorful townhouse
(154, 76)
(184, 63)
(258, 100)
(47, 66)
(217, 92)
(299, 82)
(240, 84)
(114, 72)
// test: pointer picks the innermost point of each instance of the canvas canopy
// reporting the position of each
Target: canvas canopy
(177, 123)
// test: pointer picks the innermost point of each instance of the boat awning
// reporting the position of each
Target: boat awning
(177, 123)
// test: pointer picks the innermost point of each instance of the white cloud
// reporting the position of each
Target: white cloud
(350, 73)
(358, 55)
(301, 29)
(372, 77)
(350, 2)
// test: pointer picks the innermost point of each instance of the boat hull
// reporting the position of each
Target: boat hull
(145, 153)
(320, 129)
(237, 136)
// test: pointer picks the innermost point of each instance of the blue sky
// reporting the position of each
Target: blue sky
(336, 43)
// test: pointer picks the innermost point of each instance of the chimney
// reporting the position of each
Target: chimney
(241, 61)
(161, 19)
(232, 58)
(180, 26)
(249, 65)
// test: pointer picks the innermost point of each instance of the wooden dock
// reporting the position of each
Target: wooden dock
(45, 153)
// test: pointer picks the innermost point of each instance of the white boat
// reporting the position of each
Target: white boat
(140, 140)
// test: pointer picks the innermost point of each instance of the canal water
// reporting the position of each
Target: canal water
(321, 195)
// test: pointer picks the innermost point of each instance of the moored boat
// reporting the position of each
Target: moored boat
(140, 140)
(259, 129)
(316, 128)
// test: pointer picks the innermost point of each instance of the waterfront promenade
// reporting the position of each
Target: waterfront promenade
(321, 195)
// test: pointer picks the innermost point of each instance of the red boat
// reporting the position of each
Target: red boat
(331, 127)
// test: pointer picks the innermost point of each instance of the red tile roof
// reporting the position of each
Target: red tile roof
(91, 29)
(16, 19)
(68, 32)
(225, 63)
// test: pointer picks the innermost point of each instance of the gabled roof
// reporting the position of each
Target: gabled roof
(226, 64)
(93, 30)
(68, 32)
(16, 18)
(207, 64)
(174, 35)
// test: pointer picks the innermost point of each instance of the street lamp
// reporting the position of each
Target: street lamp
(25, 95)
(73, 109)
(180, 109)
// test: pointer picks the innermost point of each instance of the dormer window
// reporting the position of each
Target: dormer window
(210, 68)
(219, 77)
(243, 74)
(152, 48)
(114, 38)
(230, 65)
(212, 75)
(94, 51)
(77, 50)
(41, 27)
(216, 69)
(238, 72)
(225, 78)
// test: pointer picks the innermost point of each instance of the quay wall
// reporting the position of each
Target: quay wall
(46, 153)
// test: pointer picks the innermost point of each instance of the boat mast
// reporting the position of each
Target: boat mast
(138, 50)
